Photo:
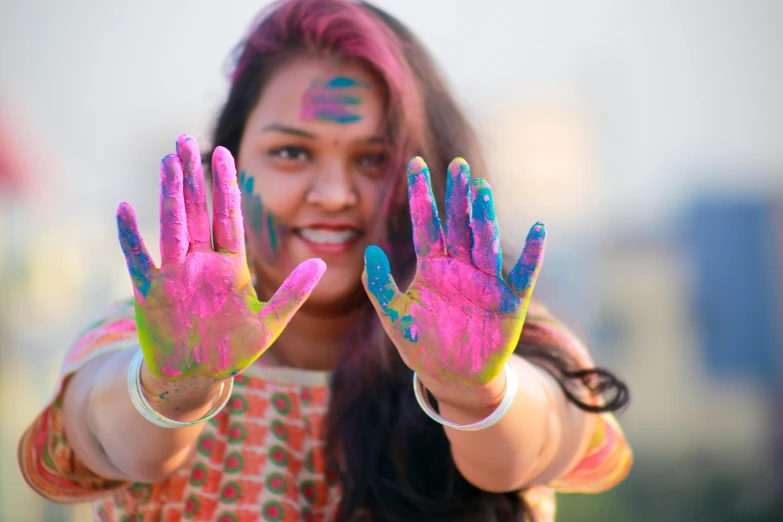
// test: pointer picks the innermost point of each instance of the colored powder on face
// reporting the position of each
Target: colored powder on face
(264, 230)
(340, 82)
(328, 101)
(270, 227)
(348, 100)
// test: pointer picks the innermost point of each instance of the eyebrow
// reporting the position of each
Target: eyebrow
(285, 129)
(276, 127)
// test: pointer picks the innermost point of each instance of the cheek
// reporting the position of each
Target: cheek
(371, 199)
(266, 214)
(372, 206)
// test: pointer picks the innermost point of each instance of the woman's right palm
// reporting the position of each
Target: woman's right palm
(198, 313)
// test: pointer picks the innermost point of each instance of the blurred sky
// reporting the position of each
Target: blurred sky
(673, 89)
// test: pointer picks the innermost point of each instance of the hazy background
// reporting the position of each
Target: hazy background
(647, 135)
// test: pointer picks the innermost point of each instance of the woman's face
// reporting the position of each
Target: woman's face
(312, 164)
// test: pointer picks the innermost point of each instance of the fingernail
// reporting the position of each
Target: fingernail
(537, 232)
(416, 166)
(459, 166)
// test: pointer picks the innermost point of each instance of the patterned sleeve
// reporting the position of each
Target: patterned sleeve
(607, 458)
(46, 459)
(604, 464)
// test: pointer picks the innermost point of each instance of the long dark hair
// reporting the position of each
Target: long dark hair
(394, 462)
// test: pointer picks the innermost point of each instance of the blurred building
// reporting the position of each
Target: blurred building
(692, 320)
(679, 408)
(735, 249)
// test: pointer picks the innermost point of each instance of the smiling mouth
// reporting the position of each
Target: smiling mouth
(326, 236)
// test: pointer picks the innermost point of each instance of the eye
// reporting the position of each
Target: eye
(373, 164)
(290, 153)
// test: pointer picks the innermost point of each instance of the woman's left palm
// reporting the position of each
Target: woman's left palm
(459, 320)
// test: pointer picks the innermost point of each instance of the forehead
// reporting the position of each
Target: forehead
(322, 94)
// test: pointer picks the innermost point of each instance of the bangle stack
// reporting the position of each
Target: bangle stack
(508, 397)
(146, 410)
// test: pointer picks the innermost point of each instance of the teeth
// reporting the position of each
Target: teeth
(328, 237)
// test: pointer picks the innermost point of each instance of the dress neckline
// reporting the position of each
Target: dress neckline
(289, 375)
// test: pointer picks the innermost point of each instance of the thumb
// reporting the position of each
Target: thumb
(380, 285)
(140, 265)
(292, 294)
(525, 273)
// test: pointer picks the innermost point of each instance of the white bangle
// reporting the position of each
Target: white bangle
(508, 397)
(146, 410)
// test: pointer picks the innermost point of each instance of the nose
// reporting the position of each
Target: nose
(333, 189)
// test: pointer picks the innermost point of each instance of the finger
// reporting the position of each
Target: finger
(194, 193)
(290, 296)
(523, 276)
(380, 285)
(140, 265)
(458, 240)
(173, 223)
(484, 230)
(226, 200)
(427, 234)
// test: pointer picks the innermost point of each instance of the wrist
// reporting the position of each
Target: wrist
(464, 416)
(179, 399)
(475, 399)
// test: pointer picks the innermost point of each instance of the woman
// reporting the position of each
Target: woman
(329, 99)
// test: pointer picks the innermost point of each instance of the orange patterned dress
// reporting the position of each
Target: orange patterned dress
(261, 459)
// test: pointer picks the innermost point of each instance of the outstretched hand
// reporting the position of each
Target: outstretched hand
(459, 320)
(198, 314)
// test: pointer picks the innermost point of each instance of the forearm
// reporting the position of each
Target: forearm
(112, 438)
(537, 440)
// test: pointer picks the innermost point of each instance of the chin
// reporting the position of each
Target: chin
(338, 290)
